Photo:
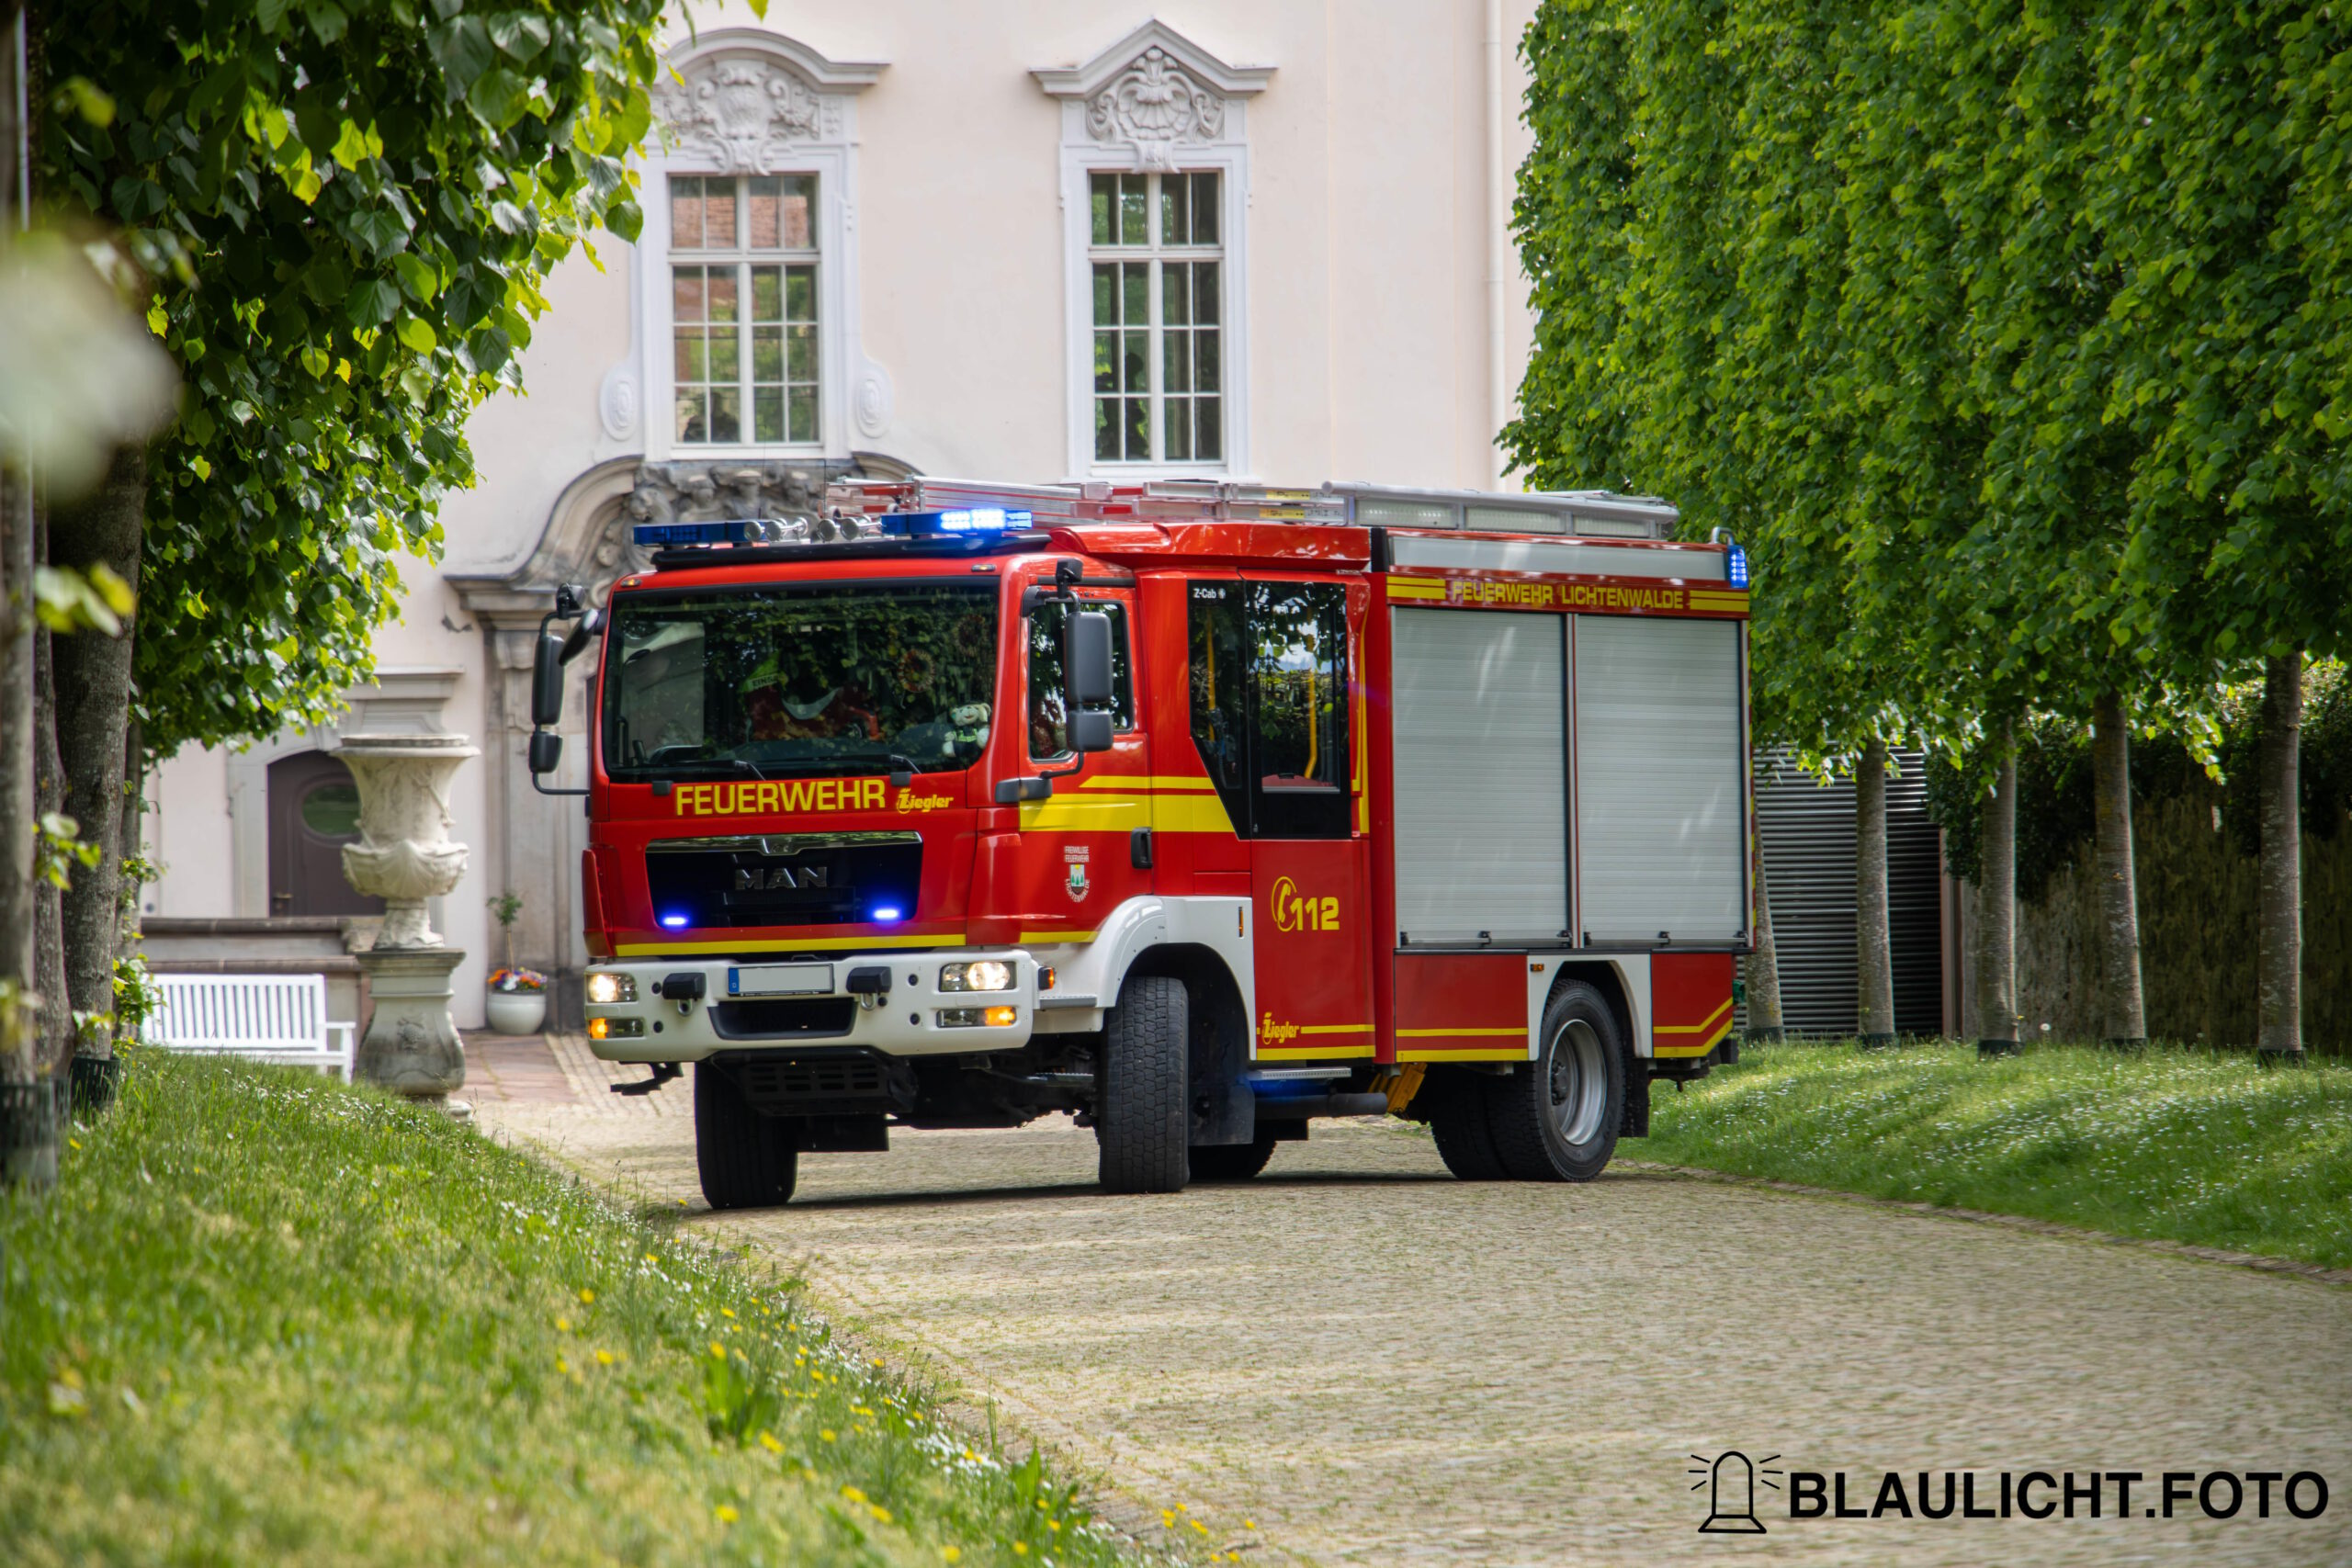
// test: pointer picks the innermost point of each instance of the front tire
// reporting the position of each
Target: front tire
(1140, 1120)
(1555, 1119)
(746, 1161)
(1231, 1162)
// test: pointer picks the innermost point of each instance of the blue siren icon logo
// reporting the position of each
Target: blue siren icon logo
(1730, 1479)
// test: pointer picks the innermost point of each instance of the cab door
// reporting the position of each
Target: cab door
(1309, 865)
(1077, 847)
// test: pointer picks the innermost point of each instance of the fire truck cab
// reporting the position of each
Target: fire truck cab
(1196, 810)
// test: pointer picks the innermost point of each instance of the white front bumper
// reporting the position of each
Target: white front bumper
(904, 1023)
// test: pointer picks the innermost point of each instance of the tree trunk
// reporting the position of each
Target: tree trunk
(1873, 949)
(93, 719)
(1762, 968)
(2281, 960)
(57, 1005)
(2125, 1018)
(1996, 903)
(28, 1130)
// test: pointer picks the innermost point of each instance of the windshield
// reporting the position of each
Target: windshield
(825, 679)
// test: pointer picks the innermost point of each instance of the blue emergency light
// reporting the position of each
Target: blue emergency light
(1735, 566)
(734, 531)
(955, 520)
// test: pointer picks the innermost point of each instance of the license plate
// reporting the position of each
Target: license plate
(781, 980)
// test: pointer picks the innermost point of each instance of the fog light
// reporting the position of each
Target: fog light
(1002, 1018)
(605, 989)
(984, 974)
(958, 1018)
(616, 1028)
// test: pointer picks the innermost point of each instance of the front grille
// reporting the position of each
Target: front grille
(783, 1017)
(834, 1082)
(784, 879)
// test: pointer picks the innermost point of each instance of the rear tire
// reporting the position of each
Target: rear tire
(1458, 1122)
(1231, 1162)
(746, 1161)
(1140, 1122)
(1556, 1118)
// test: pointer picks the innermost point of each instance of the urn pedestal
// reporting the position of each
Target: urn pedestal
(405, 857)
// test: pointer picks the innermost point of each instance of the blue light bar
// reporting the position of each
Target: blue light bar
(675, 923)
(955, 520)
(670, 535)
(885, 913)
(1735, 566)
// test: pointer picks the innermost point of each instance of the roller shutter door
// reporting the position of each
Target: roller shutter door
(1806, 830)
(1481, 806)
(1658, 764)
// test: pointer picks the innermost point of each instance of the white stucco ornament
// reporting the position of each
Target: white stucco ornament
(740, 113)
(1156, 107)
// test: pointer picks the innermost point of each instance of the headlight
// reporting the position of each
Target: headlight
(606, 990)
(984, 974)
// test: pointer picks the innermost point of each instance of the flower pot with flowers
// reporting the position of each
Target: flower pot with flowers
(518, 1003)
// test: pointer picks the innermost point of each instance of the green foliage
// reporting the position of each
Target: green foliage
(288, 1321)
(68, 601)
(2195, 1147)
(2010, 338)
(505, 908)
(59, 848)
(2054, 808)
(360, 200)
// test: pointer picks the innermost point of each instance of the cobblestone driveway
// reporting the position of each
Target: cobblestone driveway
(1379, 1365)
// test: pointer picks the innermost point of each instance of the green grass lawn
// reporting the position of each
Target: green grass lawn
(266, 1318)
(2187, 1146)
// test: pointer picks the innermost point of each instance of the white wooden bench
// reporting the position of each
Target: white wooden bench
(271, 1017)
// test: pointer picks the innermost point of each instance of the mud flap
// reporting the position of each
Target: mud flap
(1636, 1122)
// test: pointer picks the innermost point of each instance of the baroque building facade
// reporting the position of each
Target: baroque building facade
(1242, 238)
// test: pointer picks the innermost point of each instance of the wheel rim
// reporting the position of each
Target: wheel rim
(1579, 1082)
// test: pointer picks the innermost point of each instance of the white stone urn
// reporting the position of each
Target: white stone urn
(405, 856)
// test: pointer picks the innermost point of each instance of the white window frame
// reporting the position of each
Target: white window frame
(827, 150)
(1155, 255)
(1090, 147)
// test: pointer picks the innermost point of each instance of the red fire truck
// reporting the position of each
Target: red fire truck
(1196, 810)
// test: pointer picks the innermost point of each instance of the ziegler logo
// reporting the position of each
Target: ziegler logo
(1294, 911)
(908, 800)
(754, 880)
(1270, 1032)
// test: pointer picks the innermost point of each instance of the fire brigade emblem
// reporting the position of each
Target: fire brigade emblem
(1076, 885)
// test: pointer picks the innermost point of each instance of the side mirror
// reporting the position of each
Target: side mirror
(546, 751)
(582, 629)
(1090, 730)
(547, 680)
(1086, 661)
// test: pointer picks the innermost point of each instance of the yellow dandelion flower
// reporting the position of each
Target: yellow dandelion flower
(587, 1297)
(718, 1350)
(727, 1312)
(1200, 1526)
(829, 1435)
(881, 1515)
(563, 1326)
(561, 1365)
(768, 1441)
(951, 1555)
(650, 1258)
(1248, 1524)
(853, 1493)
(73, 1143)
(1054, 1525)
(1167, 1518)
(861, 1410)
(1020, 1549)
(727, 1513)
(603, 1357)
